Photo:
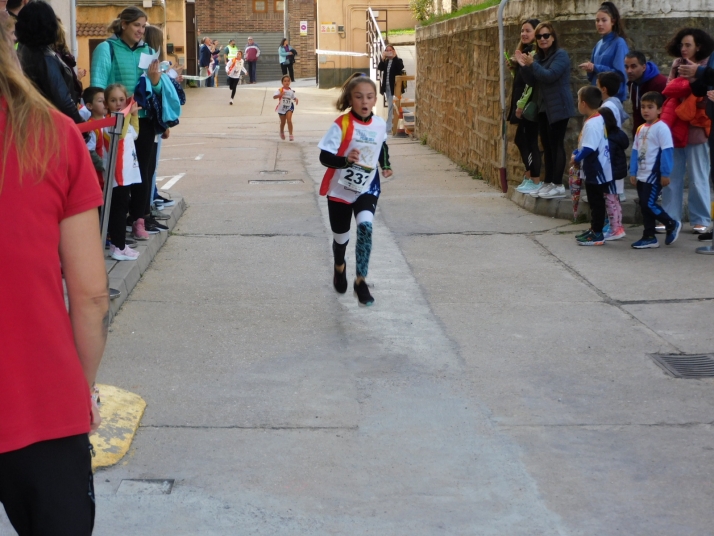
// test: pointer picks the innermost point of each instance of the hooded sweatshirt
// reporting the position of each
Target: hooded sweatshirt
(651, 80)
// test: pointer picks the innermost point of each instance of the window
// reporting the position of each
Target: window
(279, 6)
(260, 6)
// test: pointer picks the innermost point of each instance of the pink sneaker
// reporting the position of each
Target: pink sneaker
(138, 230)
(126, 254)
(282, 135)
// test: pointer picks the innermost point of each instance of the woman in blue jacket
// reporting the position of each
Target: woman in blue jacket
(549, 75)
(609, 53)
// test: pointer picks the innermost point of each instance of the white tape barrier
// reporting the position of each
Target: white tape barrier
(340, 53)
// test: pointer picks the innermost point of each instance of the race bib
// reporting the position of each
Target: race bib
(286, 102)
(356, 178)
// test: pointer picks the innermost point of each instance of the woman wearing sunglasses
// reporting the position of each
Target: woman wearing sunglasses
(549, 74)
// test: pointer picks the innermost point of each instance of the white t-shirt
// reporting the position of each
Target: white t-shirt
(615, 111)
(593, 136)
(368, 138)
(650, 141)
(286, 100)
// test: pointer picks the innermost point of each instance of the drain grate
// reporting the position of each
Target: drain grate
(686, 366)
(274, 172)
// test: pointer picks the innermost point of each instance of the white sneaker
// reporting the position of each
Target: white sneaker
(554, 192)
(126, 254)
(230, 102)
(544, 188)
(526, 185)
(623, 198)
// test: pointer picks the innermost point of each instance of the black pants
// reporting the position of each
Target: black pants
(47, 488)
(552, 136)
(288, 69)
(596, 200)
(146, 149)
(651, 211)
(711, 154)
(250, 66)
(117, 215)
(233, 84)
(527, 142)
(341, 213)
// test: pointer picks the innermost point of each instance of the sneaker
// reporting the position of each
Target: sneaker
(165, 202)
(138, 230)
(292, 138)
(525, 185)
(646, 243)
(339, 281)
(617, 234)
(126, 254)
(282, 135)
(529, 188)
(705, 237)
(592, 239)
(114, 293)
(660, 229)
(673, 234)
(362, 293)
(230, 102)
(583, 234)
(160, 226)
(158, 215)
(554, 192)
(606, 228)
(525, 181)
(699, 229)
(622, 197)
(542, 188)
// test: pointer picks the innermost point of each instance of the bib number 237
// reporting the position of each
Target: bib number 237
(355, 178)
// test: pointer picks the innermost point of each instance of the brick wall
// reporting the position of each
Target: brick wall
(457, 96)
(219, 16)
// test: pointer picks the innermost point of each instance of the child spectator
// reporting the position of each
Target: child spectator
(608, 84)
(650, 166)
(618, 142)
(593, 158)
(93, 98)
(286, 106)
(125, 174)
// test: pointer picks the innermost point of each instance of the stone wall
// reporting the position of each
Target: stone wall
(457, 95)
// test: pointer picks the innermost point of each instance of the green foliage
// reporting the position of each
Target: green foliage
(402, 31)
(463, 11)
(424, 139)
(421, 9)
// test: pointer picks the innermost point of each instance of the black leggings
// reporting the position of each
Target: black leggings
(552, 136)
(288, 69)
(146, 155)
(48, 487)
(341, 213)
(527, 142)
(233, 84)
(117, 215)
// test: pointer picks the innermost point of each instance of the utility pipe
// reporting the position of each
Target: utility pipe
(73, 28)
(504, 119)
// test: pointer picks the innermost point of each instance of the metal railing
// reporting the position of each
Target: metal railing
(375, 45)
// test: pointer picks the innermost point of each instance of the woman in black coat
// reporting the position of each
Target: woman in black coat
(36, 32)
(391, 66)
(526, 130)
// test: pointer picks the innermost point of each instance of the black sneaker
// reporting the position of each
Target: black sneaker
(166, 202)
(151, 229)
(151, 222)
(705, 237)
(362, 292)
(340, 280)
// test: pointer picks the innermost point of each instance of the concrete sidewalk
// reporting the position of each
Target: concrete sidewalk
(500, 385)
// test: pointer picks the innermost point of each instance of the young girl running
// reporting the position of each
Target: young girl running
(125, 174)
(286, 106)
(235, 70)
(351, 149)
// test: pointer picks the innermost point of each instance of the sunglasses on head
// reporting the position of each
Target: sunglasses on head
(543, 36)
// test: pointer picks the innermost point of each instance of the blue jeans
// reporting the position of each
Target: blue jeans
(695, 160)
(251, 68)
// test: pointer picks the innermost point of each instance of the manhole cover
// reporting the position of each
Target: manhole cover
(277, 181)
(274, 172)
(686, 366)
(146, 486)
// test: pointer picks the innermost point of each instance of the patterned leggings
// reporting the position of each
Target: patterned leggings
(614, 211)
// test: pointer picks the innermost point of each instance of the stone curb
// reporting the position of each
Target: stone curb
(124, 275)
(563, 208)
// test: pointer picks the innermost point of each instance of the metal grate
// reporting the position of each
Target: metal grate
(686, 366)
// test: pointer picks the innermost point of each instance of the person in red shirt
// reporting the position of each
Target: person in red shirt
(49, 355)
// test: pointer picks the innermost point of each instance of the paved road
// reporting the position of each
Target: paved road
(500, 385)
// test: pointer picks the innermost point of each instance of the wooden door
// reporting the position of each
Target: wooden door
(191, 41)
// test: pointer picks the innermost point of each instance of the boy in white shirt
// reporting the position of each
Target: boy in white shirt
(650, 166)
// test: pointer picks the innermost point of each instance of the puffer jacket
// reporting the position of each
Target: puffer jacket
(618, 142)
(115, 62)
(692, 111)
(551, 76)
(703, 83)
(675, 92)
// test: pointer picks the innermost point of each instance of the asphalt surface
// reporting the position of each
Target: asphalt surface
(500, 385)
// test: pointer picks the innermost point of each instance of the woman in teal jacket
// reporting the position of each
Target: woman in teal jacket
(116, 61)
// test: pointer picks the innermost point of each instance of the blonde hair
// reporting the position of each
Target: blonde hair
(29, 130)
(154, 37)
(344, 101)
(61, 43)
(111, 87)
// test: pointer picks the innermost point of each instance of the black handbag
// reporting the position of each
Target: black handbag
(291, 59)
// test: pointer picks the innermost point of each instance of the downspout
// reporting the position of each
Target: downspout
(502, 76)
(73, 28)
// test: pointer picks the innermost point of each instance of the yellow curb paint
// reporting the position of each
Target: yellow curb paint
(121, 413)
